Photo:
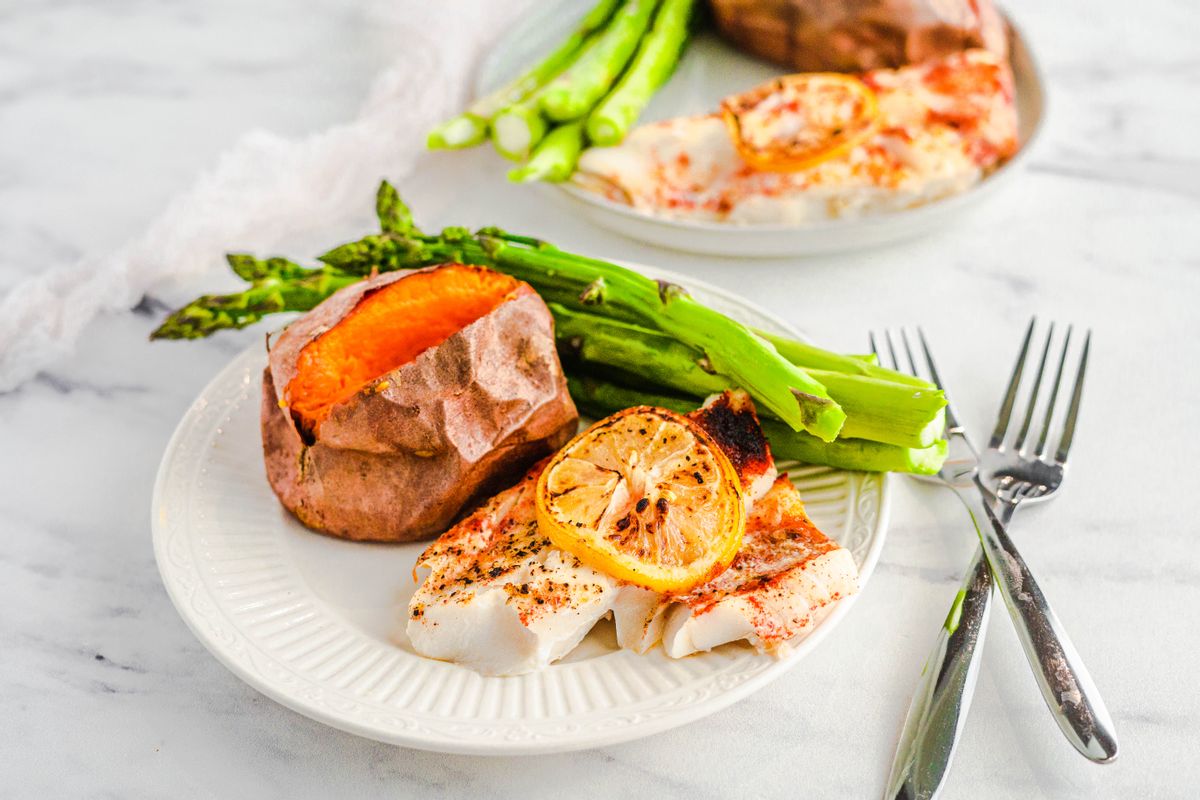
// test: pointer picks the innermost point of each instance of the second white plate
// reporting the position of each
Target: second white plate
(316, 623)
(710, 70)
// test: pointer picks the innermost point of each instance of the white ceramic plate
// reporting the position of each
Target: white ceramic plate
(316, 623)
(710, 70)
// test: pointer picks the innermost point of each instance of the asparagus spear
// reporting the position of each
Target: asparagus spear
(883, 411)
(658, 360)
(731, 348)
(276, 285)
(554, 159)
(585, 283)
(599, 398)
(460, 131)
(573, 93)
(655, 61)
(471, 127)
(878, 410)
(518, 127)
(812, 357)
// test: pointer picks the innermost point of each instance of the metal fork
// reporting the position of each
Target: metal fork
(939, 706)
(1010, 471)
(1017, 472)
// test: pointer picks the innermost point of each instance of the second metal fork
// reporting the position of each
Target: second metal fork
(1019, 471)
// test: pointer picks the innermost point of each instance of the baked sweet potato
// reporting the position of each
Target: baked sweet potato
(393, 405)
(858, 35)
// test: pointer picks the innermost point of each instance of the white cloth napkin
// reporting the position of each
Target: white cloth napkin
(265, 187)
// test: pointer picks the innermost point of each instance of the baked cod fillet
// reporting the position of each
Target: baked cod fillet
(501, 599)
(783, 581)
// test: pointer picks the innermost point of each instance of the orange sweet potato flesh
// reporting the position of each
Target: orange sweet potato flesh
(388, 329)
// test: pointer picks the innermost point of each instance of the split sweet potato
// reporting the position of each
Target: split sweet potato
(392, 406)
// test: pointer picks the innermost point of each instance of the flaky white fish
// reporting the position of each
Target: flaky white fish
(501, 599)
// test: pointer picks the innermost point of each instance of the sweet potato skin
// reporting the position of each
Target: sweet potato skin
(405, 456)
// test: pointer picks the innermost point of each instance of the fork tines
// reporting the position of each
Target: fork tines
(1020, 439)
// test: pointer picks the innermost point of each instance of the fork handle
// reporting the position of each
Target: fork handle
(938, 710)
(1065, 683)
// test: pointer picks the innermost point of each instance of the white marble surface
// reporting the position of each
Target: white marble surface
(107, 110)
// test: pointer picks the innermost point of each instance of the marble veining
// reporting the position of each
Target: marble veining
(107, 110)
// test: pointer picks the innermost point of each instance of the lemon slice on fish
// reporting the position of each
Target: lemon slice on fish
(798, 121)
(647, 497)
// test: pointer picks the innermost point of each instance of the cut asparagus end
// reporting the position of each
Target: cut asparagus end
(886, 411)
(877, 430)
(555, 157)
(926, 461)
(516, 130)
(602, 132)
(465, 130)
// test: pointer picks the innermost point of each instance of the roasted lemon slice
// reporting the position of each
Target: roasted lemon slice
(798, 121)
(647, 497)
